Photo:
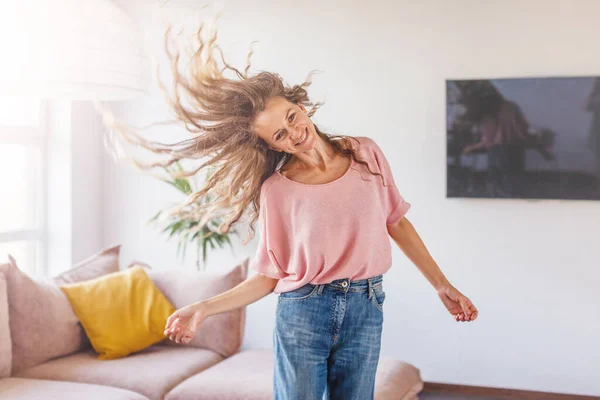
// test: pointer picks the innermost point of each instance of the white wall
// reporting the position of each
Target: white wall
(86, 181)
(531, 267)
(74, 185)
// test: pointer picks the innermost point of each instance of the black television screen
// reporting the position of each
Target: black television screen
(530, 138)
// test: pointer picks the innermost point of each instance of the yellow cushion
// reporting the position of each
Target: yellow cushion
(121, 313)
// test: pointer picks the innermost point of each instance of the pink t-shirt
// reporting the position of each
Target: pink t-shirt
(319, 233)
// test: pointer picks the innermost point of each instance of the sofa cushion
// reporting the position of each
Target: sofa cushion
(246, 375)
(35, 389)
(5, 342)
(396, 379)
(249, 375)
(35, 305)
(222, 333)
(102, 263)
(121, 313)
(152, 372)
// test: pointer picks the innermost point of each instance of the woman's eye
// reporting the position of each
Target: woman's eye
(278, 136)
(291, 117)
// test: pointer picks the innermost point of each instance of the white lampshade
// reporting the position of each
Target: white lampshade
(70, 49)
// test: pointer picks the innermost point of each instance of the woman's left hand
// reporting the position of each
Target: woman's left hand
(458, 304)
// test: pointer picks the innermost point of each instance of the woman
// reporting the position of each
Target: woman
(326, 205)
(504, 132)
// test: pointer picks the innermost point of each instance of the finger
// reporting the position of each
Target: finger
(182, 336)
(168, 332)
(176, 325)
(171, 319)
(466, 305)
(187, 338)
(179, 335)
(472, 316)
(173, 335)
(472, 312)
(472, 307)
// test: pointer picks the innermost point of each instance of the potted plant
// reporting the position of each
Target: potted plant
(187, 229)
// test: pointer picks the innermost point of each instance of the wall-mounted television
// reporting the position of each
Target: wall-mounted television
(526, 138)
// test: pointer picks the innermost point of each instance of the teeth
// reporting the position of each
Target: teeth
(304, 137)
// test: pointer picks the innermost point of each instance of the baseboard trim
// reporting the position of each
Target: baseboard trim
(511, 394)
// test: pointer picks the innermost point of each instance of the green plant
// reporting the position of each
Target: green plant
(186, 229)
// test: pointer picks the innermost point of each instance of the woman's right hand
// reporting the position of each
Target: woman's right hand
(182, 324)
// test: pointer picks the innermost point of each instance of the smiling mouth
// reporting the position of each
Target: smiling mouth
(305, 137)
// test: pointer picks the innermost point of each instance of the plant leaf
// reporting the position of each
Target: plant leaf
(184, 250)
(210, 241)
(176, 227)
(155, 217)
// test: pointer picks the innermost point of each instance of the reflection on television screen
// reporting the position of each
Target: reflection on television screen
(533, 138)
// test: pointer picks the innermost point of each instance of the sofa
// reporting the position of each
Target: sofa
(45, 352)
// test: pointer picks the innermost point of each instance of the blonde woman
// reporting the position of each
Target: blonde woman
(327, 206)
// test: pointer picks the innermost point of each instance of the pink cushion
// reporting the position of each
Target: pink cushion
(397, 380)
(104, 262)
(249, 375)
(42, 322)
(152, 372)
(5, 342)
(222, 333)
(35, 389)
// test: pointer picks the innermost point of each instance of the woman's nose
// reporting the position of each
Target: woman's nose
(297, 133)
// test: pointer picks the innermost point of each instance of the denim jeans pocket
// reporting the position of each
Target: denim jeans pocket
(378, 295)
(302, 293)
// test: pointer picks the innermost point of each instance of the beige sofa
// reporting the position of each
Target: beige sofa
(45, 354)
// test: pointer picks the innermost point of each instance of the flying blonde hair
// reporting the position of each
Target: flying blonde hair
(219, 115)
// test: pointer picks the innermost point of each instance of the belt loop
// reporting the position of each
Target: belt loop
(370, 288)
(320, 290)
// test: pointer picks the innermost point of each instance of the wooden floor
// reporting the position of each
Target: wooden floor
(429, 395)
(440, 391)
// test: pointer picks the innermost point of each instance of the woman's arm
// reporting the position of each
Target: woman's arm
(247, 292)
(183, 323)
(472, 148)
(407, 238)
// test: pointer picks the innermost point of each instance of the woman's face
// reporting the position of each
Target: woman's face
(285, 126)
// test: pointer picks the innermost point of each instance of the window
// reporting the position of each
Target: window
(22, 183)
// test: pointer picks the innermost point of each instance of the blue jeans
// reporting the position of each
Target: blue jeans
(327, 339)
